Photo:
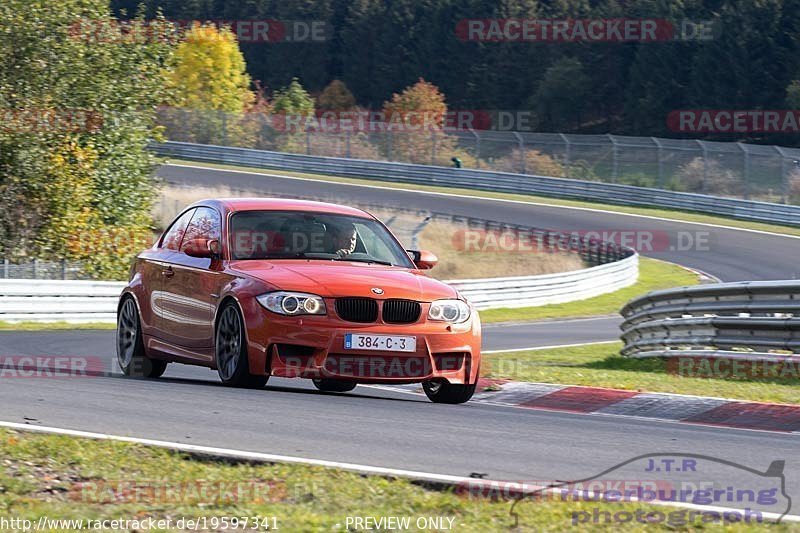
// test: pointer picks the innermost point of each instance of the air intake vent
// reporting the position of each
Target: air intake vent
(357, 309)
(401, 311)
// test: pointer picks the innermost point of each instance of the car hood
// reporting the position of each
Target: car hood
(332, 280)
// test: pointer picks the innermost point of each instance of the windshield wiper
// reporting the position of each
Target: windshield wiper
(365, 260)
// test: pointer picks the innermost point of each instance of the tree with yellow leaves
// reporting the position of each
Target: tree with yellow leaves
(210, 71)
(211, 88)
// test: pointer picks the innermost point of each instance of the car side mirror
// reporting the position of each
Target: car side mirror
(423, 259)
(207, 248)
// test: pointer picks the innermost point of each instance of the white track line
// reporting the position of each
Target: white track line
(502, 200)
(363, 469)
(512, 350)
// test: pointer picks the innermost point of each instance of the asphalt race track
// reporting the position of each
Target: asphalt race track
(369, 426)
(378, 427)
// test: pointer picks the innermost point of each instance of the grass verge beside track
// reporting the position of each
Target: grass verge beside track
(74, 478)
(653, 275)
(600, 365)
(53, 326)
(678, 216)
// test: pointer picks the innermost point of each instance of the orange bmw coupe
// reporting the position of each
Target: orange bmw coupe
(272, 287)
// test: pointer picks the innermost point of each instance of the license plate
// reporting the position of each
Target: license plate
(382, 343)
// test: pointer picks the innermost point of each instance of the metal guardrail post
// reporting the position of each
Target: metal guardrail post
(347, 143)
(5, 268)
(64, 269)
(35, 265)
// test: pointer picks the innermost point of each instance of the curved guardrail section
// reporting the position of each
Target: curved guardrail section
(546, 289)
(485, 180)
(751, 321)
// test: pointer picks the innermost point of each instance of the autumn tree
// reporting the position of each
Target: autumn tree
(211, 87)
(415, 124)
(75, 175)
(336, 96)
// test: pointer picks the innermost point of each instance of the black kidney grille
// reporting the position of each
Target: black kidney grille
(357, 309)
(401, 311)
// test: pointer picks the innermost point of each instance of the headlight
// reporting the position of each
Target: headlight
(454, 311)
(293, 303)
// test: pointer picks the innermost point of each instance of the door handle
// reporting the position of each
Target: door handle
(168, 272)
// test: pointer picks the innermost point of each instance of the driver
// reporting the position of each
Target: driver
(346, 240)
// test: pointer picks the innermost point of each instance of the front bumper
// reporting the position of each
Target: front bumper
(313, 347)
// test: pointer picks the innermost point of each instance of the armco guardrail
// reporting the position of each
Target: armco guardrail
(485, 180)
(752, 321)
(23, 300)
(91, 301)
(550, 288)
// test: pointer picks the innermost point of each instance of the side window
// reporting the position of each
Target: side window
(173, 236)
(205, 225)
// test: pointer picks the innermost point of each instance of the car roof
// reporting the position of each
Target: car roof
(281, 204)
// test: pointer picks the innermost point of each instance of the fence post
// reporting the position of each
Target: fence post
(5, 268)
(784, 175)
(35, 268)
(63, 269)
(389, 144)
(477, 148)
(433, 148)
(614, 158)
(347, 143)
(746, 170)
(567, 155)
(660, 160)
(224, 128)
(521, 152)
(703, 184)
(308, 142)
(415, 233)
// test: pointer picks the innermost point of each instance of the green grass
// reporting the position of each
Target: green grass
(39, 476)
(684, 216)
(48, 326)
(600, 365)
(653, 275)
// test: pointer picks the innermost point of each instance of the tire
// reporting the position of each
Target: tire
(131, 355)
(230, 351)
(334, 385)
(443, 392)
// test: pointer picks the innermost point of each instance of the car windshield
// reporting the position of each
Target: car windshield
(310, 235)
